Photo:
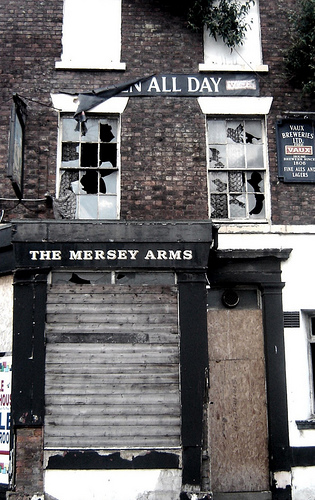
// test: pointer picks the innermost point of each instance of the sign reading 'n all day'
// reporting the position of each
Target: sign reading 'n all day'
(296, 150)
(195, 85)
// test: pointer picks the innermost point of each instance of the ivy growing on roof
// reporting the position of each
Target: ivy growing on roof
(222, 18)
(300, 56)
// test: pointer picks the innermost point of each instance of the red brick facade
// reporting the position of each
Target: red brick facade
(163, 139)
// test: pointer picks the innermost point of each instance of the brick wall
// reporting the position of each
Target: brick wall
(291, 203)
(163, 139)
(28, 463)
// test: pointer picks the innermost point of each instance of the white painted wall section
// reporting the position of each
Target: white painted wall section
(113, 484)
(6, 313)
(303, 483)
(91, 36)
(298, 274)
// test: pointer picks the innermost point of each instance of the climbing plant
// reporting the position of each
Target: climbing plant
(223, 18)
(300, 56)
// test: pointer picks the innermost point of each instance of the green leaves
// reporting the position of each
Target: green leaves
(223, 18)
(300, 56)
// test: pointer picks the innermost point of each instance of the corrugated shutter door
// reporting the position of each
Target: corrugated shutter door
(112, 367)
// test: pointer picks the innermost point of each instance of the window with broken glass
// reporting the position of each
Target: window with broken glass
(89, 169)
(236, 169)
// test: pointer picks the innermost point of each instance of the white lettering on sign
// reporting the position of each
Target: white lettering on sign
(194, 85)
(112, 254)
(241, 85)
(169, 255)
(45, 254)
(298, 150)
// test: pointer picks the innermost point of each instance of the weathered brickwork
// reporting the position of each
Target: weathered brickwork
(28, 463)
(290, 203)
(163, 139)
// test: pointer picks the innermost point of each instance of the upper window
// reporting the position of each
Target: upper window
(246, 57)
(91, 37)
(88, 172)
(236, 169)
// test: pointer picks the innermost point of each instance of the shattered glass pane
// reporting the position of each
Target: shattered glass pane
(236, 182)
(255, 156)
(255, 181)
(108, 153)
(91, 133)
(237, 206)
(107, 207)
(235, 132)
(236, 168)
(216, 132)
(253, 132)
(256, 205)
(92, 183)
(89, 155)
(218, 182)
(217, 156)
(105, 130)
(69, 132)
(218, 203)
(256, 198)
(88, 184)
(106, 134)
(81, 277)
(70, 154)
(236, 156)
(110, 181)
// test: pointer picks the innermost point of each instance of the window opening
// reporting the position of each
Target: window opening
(99, 44)
(236, 169)
(123, 277)
(89, 173)
(244, 57)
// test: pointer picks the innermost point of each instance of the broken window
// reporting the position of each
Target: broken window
(236, 169)
(88, 173)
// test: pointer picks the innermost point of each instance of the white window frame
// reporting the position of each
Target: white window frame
(234, 108)
(246, 57)
(112, 108)
(311, 361)
(91, 37)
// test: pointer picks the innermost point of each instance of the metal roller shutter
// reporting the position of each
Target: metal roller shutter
(112, 367)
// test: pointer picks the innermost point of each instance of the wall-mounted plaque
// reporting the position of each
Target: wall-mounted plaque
(296, 150)
(16, 145)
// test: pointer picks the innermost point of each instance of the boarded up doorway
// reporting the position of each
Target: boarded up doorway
(238, 439)
(112, 364)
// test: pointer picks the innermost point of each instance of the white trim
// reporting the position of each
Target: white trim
(235, 105)
(78, 65)
(66, 103)
(257, 68)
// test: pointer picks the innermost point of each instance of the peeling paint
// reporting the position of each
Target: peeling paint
(282, 479)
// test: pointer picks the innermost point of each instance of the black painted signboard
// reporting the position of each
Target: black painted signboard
(195, 85)
(16, 145)
(296, 150)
